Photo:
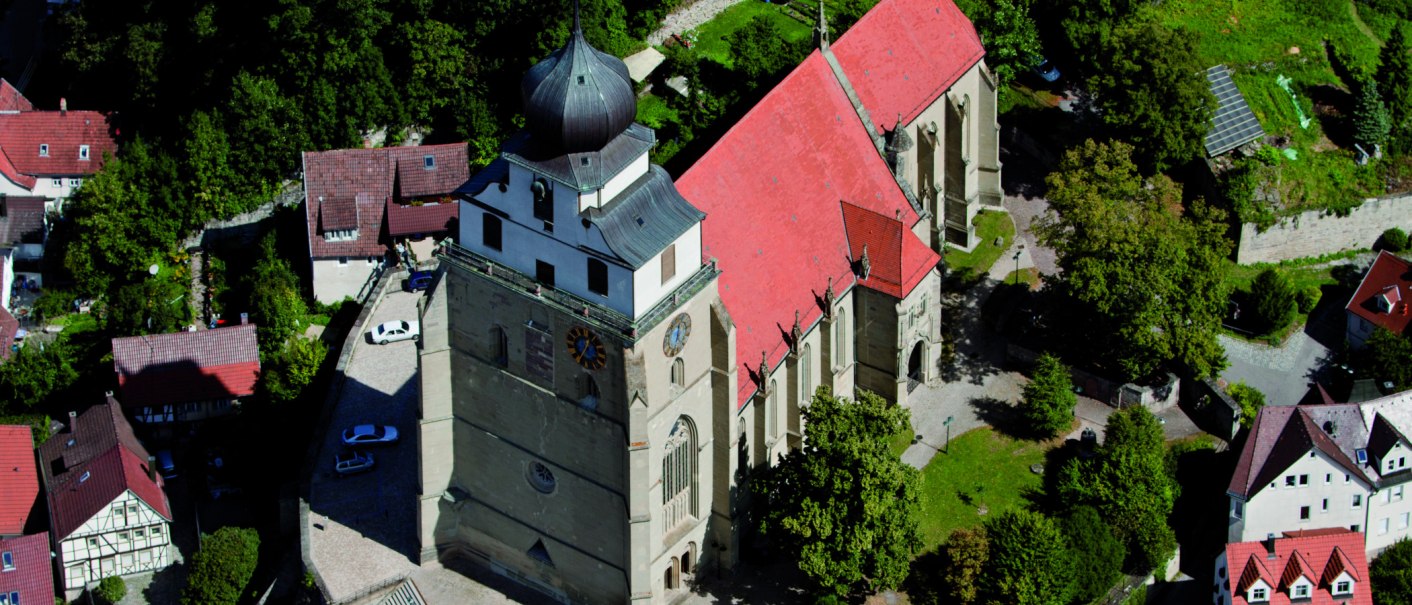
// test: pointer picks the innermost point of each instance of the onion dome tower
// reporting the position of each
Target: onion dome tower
(578, 98)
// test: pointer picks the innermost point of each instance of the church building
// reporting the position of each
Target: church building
(608, 353)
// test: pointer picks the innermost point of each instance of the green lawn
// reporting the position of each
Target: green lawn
(989, 225)
(988, 469)
(1313, 273)
(1253, 31)
(711, 36)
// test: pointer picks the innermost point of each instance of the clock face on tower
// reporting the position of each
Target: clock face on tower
(677, 333)
(586, 348)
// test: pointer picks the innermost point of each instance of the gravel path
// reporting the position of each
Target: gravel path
(689, 17)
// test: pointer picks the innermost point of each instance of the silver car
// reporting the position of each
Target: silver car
(370, 434)
(349, 463)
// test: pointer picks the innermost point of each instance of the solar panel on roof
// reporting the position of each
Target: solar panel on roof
(1233, 124)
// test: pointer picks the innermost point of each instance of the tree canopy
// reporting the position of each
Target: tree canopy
(1394, 78)
(1130, 481)
(1250, 400)
(1008, 32)
(843, 505)
(1097, 554)
(222, 567)
(1388, 357)
(1144, 279)
(1273, 300)
(964, 556)
(1029, 562)
(1391, 574)
(1048, 400)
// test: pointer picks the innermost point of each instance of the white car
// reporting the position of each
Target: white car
(370, 434)
(394, 331)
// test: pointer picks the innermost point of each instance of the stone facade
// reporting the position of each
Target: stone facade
(1315, 233)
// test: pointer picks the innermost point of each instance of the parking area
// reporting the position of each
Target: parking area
(363, 527)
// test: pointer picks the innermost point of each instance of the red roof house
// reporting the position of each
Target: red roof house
(1319, 567)
(96, 459)
(186, 367)
(19, 479)
(26, 570)
(11, 99)
(1382, 299)
(55, 143)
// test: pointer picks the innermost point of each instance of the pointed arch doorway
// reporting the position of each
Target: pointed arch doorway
(915, 373)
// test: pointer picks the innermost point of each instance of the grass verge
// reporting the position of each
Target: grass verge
(982, 469)
(711, 36)
(989, 225)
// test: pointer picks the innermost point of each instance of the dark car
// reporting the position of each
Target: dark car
(419, 280)
(1044, 69)
(349, 463)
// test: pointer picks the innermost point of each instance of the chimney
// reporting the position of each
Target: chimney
(244, 318)
(1269, 546)
(63, 105)
(152, 468)
(73, 422)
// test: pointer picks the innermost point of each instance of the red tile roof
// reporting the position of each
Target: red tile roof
(405, 219)
(88, 466)
(904, 54)
(771, 189)
(9, 326)
(19, 478)
(11, 99)
(897, 258)
(185, 367)
(21, 135)
(347, 189)
(33, 575)
(21, 220)
(9, 171)
(1389, 278)
(1311, 555)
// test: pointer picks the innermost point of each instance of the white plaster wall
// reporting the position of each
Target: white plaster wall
(9, 187)
(334, 281)
(1275, 509)
(647, 281)
(1391, 505)
(617, 184)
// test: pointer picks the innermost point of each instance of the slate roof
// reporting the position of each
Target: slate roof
(64, 132)
(645, 218)
(1283, 434)
(1389, 276)
(903, 54)
(33, 575)
(771, 188)
(21, 220)
(1319, 556)
(405, 219)
(184, 367)
(11, 99)
(578, 98)
(87, 467)
(9, 326)
(1233, 124)
(897, 258)
(19, 478)
(348, 189)
(584, 171)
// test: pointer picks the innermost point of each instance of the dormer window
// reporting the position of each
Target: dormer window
(1259, 595)
(82, 152)
(43, 150)
(1343, 587)
(429, 162)
(1388, 299)
(340, 235)
(1301, 591)
(7, 561)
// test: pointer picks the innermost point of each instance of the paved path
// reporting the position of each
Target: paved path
(689, 17)
(1284, 373)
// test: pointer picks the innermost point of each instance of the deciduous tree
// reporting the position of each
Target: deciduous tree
(34, 373)
(964, 558)
(285, 374)
(843, 505)
(1145, 279)
(1391, 574)
(1008, 32)
(1049, 399)
(1250, 400)
(1029, 562)
(1097, 554)
(1388, 357)
(222, 567)
(278, 307)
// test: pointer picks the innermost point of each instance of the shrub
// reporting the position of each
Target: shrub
(222, 568)
(1394, 240)
(1097, 553)
(1307, 299)
(111, 589)
(1250, 400)
(1274, 300)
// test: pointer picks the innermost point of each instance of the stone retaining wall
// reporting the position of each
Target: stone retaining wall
(244, 228)
(1315, 233)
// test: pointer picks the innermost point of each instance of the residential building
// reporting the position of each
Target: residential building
(108, 512)
(186, 376)
(608, 353)
(48, 153)
(1381, 300)
(26, 573)
(1318, 567)
(23, 231)
(1331, 465)
(347, 196)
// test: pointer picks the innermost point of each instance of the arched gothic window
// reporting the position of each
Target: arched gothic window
(499, 346)
(679, 474)
(678, 372)
(771, 410)
(588, 392)
(806, 383)
(840, 330)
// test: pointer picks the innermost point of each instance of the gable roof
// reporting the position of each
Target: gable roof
(1389, 276)
(92, 462)
(11, 99)
(770, 189)
(33, 575)
(347, 189)
(9, 171)
(903, 54)
(64, 132)
(19, 478)
(1310, 554)
(181, 367)
(21, 220)
(897, 258)
(1283, 434)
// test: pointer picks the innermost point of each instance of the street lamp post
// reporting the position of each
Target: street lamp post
(948, 433)
(1017, 263)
